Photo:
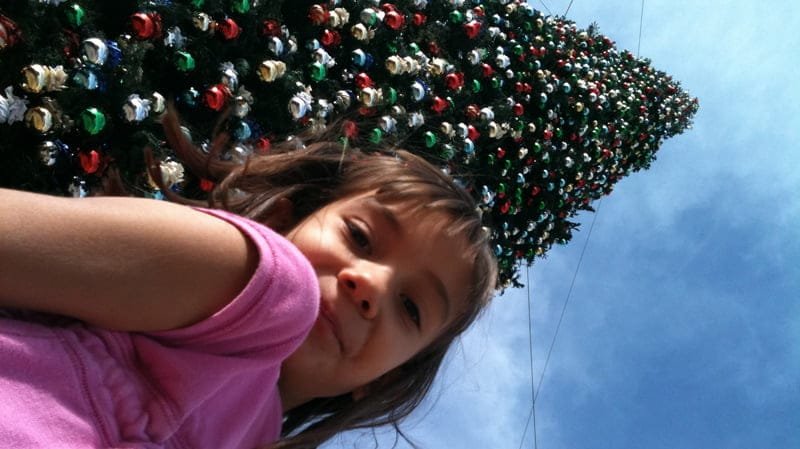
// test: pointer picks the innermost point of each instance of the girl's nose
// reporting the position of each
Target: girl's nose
(366, 285)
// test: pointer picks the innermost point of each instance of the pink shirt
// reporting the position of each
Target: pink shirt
(210, 385)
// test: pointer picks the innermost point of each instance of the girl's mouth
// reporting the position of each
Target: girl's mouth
(327, 317)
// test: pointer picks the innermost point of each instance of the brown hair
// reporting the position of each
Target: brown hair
(311, 177)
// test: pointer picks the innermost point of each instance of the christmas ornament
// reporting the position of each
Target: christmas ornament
(9, 33)
(535, 116)
(12, 108)
(39, 78)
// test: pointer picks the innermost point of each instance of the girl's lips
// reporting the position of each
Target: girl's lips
(328, 318)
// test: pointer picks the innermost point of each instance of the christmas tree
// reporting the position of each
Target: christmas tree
(535, 116)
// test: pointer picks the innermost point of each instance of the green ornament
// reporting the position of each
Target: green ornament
(414, 48)
(198, 3)
(390, 96)
(456, 17)
(75, 15)
(376, 135)
(490, 159)
(501, 188)
(537, 147)
(318, 71)
(529, 254)
(241, 6)
(448, 152)
(476, 86)
(93, 120)
(184, 61)
(518, 196)
(370, 18)
(497, 82)
(518, 50)
(430, 139)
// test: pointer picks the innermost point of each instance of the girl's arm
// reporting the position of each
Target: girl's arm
(120, 263)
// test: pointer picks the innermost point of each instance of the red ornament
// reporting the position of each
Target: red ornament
(365, 111)
(318, 15)
(10, 33)
(331, 38)
(505, 207)
(536, 190)
(262, 145)
(454, 81)
(271, 28)
(215, 97)
(388, 7)
(440, 104)
(419, 19)
(478, 11)
(90, 161)
(487, 70)
(472, 29)
(350, 129)
(72, 43)
(473, 133)
(363, 81)
(146, 25)
(501, 152)
(473, 111)
(206, 185)
(229, 29)
(394, 20)
(433, 48)
(518, 109)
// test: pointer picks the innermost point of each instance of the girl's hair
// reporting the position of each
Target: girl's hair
(311, 177)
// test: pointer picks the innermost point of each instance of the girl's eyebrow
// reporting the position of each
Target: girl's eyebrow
(384, 212)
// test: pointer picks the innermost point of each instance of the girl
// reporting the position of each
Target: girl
(318, 294)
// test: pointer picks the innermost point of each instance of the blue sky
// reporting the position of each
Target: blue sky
(683, 328)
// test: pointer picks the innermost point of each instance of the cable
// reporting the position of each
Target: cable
(535, 391)
(527, 422)
(530, 353)
(568, 7)
(545, 7)
(641, 21)
(564, 309)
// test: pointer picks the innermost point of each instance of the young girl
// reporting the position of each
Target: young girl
(318, 294)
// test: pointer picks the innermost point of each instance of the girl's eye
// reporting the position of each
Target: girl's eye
(359, 237)
(411, 309)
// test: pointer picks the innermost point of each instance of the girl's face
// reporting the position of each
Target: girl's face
(390, 282)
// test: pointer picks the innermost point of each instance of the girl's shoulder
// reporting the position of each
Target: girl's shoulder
(275, 309)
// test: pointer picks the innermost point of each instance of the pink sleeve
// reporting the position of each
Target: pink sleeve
(274, 311)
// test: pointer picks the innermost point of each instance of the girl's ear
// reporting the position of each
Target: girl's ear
(281, 217)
